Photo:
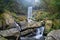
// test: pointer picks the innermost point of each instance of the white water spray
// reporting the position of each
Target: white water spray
(17, 26)
(39, 33)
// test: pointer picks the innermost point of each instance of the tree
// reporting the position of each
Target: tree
(5, 5)
(52, 7)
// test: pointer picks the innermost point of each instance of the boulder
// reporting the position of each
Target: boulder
(26, 25)
(8, 17)
(9, 32)
(28, 28)
(27, 32)
(53, 35)
(1, 38)
(14, 31)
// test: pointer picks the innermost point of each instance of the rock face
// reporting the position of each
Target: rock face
(26, 25)
(10, 32)
(6, 20)
(53, 35)
(29, 27)
(8, 17)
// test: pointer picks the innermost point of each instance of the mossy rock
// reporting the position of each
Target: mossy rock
(56, 24)
(1, 38)
(48, 26)
(22, 18)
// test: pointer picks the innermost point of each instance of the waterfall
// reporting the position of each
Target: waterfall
(17, 26)
(29, 14)
(39, 33)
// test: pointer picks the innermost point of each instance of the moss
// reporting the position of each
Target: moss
(56, 24)
(1, 38)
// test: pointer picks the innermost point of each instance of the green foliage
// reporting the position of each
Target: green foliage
(54, 8)
(5, 5)
(53, 16)
(41, 15)
(2, 38)
(58, 4)
(56, 24)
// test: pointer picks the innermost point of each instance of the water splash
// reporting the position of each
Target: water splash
(17, 26)
(39, 33)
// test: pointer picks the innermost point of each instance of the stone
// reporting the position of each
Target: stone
(9, 32)
(53, 35)
(26, 25)
(29, 27)
(1, 38)
(27, 32)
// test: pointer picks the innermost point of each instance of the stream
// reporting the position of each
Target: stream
(37, 36)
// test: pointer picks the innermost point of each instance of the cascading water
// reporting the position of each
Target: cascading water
(17, 26)
(39, 32)
(29, 14)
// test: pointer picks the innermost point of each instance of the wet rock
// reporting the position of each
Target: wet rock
(53, 35)
(27, 32)
(9, 32)
(31, 38)
(28, 28)
(26, 25)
